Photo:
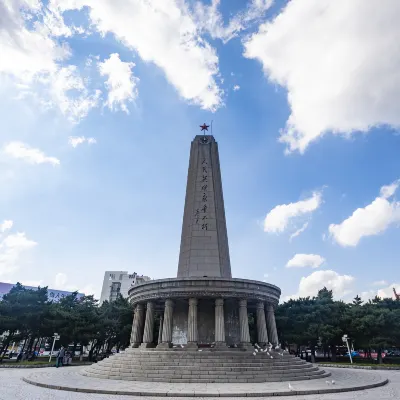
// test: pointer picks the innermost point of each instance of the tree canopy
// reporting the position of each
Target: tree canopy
(27, 314)
(322, 321)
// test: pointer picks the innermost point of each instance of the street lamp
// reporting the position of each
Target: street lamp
(56, 336)
(346, 340)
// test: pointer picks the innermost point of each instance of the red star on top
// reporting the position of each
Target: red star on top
(204, 127)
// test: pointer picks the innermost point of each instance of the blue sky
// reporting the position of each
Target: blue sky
(101, 99)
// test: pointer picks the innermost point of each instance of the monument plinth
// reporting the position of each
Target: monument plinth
(203, 333)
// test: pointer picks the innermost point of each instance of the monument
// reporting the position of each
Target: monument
(203, 326)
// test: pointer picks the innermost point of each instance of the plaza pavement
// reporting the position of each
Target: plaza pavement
(12, 387)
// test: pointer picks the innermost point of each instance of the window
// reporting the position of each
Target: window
(115, 289)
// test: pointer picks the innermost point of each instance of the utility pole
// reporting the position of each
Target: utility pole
(346, 340)
(56, 337)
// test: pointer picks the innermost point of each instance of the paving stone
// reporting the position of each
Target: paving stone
(345, 381)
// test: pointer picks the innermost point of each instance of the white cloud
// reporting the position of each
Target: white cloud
(75, 141)
(12, 247)
(309, 285)
(61, 283)
(6, 225)
(121, 83)
(164, 33)
(33, 283)
(236, 88)
(33, 58)
(60, 280)
(278, 219)
(299, 231)
(305, 260)
(379, 283)
(389, 190)
(371, 220)
(339, 62)
(31, 155)
(209, 18)
(387, 292)
(88, 290)
(26, 53)
(57, 90)
(384, 292)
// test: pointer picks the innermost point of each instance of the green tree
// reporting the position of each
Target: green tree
(22, 315)
(312, 321)
(357, 301)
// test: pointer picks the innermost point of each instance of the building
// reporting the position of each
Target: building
(53, 294)
(119, 282)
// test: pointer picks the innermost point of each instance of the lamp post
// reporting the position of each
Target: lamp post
(346, 340)
(56, 337)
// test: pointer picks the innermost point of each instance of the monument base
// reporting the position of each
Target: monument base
(192, 345)
(135, 345)
(71, 380)
(246, 346)
(147, 345)
(164, 345)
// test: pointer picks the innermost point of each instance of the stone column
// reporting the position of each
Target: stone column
(244, 325)
(262, 335)
(160, 329)
(219, 323)
(272, 332)
(166, 338)
(133, 327)
(149, 326)
(137, 329)
(192, 324)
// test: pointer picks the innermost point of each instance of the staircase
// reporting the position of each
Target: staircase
(203, 367)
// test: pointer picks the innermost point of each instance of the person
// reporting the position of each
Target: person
(70, 356)
(60, 356)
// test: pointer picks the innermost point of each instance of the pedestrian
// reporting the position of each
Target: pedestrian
(70, 356)
(60, 356)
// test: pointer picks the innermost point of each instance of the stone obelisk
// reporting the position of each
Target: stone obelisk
(204, 248)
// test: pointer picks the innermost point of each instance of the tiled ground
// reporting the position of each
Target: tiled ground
(13, 388)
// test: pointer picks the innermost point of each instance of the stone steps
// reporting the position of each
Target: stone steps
(209, 378)
(204, 365)
(197, 356)
(208, 365)
(195, 368)
(205, 375)
(176, 360)
(255, 358)
(199, 367)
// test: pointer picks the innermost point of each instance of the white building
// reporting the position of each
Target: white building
(119, 282)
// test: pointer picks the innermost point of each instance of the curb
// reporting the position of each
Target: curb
(207, 393)
(370, 367)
